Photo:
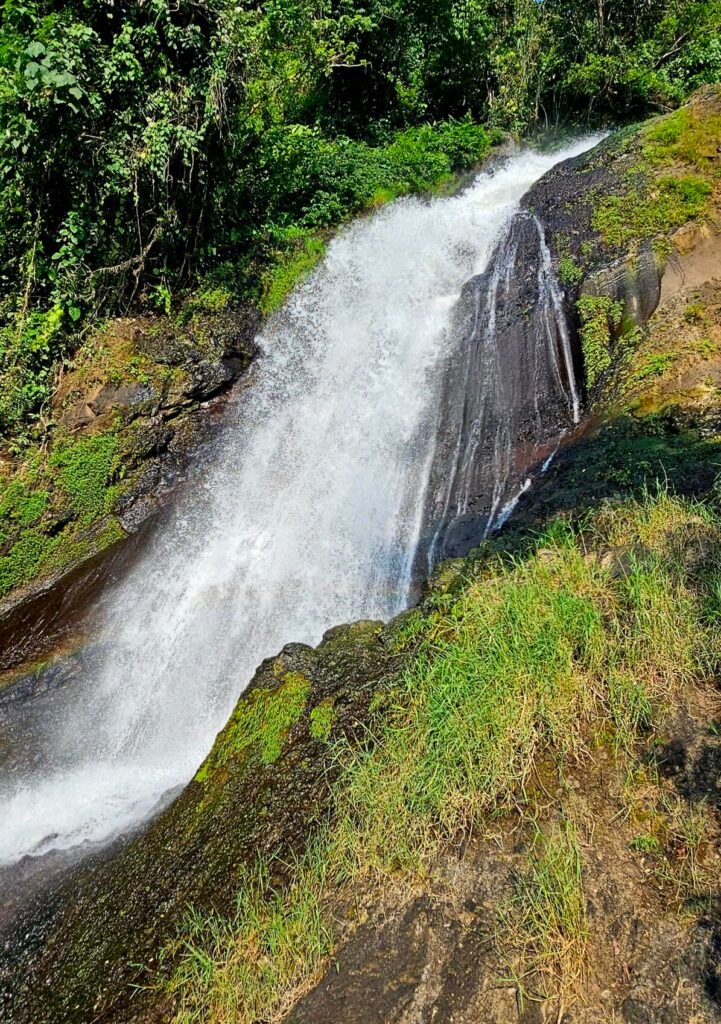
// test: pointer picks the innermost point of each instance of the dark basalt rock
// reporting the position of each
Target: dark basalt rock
(636, 284)
(564, 200)
(509, 394)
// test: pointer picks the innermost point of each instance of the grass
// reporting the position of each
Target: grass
(292, 266)
(689, 136)
(670, 184)
(543, 923)
(523, 659)
(522, 656)
(664, 204)
(253, 965)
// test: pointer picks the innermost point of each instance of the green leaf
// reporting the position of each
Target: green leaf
(74, 313)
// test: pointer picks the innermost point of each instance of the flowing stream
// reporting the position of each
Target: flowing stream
(312, 513)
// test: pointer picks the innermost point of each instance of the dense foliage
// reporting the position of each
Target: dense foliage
(146, 144)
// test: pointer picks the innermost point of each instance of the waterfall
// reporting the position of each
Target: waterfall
(381, 389)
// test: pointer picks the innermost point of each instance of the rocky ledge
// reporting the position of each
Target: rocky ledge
(128, 418)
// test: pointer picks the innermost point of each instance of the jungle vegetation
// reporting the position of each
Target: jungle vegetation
(150, 149)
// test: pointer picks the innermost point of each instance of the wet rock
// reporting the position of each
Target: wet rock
(102, 927)
(158, 393)
(121, 396)
(210, 378)
(636, 283)
(510, 393)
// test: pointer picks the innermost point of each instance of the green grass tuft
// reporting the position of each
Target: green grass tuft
(544, 922)
(252, 966)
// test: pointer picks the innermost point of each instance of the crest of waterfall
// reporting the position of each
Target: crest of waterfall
(382, 406)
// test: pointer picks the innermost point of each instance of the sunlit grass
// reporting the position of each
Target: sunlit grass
(253, 965)
(543, 923)
(594, 631)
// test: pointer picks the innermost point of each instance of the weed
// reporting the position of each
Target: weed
(544, 921)
(655, 366)
(646, 843)
(569, 272)
(255, 964)
(694, 312)
(601, 318)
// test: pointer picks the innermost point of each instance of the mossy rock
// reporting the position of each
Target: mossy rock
(264, 790)
(130, 404)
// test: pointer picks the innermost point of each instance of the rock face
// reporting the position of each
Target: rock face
(510, 395)
(144, 395)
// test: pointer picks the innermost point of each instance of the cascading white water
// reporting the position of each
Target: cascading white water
(310, 516)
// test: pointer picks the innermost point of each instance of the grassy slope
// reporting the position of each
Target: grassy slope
(668, 188)
(562, 650)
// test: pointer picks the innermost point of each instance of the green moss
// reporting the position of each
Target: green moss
(85, 469)
(24, 559)
(73, 489)
(321, 721)
(260, 724)
(74, 549)
(640, 213)
(600, 319)
(35, 552)
(21, 506)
